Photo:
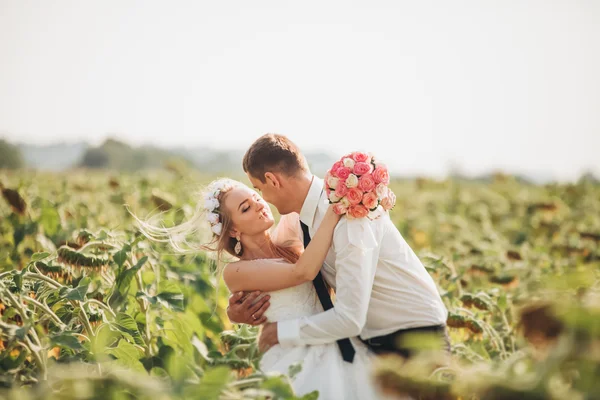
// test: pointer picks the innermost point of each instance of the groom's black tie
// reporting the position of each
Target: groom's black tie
(344, 344)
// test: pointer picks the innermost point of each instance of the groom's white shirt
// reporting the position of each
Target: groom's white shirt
(380, 284)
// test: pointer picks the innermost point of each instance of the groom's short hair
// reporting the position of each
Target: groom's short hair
(273, 153)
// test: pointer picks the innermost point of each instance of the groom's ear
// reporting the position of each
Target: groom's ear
(272, 180)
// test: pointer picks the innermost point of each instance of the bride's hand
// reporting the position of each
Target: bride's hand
(268, 337)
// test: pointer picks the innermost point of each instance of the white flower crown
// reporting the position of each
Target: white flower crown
(211, 203)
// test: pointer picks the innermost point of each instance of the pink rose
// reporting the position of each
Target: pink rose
(366, 183)
(354, 195)
(334, 168)
(370, 200)
(381, 190)
(381, 175)
(340, 208)
(361, 157)
(361, 168)
(389, 201)
(343, 173)
(341, 190)
(358, 211)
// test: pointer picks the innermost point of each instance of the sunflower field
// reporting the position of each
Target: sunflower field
(90, 309)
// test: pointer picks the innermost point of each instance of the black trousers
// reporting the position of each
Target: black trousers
(399, 342)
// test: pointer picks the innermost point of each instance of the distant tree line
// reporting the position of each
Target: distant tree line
(114, 154)
(10, 156)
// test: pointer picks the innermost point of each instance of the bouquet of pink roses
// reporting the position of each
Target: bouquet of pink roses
(357, 184)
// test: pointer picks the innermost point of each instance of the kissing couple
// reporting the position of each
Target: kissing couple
(382, 291)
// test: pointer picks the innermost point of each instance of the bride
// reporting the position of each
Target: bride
(274, 261)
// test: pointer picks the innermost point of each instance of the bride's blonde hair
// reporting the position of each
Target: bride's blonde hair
(178, 235)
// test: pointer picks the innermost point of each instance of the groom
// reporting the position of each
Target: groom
(383, 293)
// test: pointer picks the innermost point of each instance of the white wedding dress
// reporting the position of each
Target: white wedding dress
(322, 366)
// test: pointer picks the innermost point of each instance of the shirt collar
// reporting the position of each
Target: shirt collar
(311, 202)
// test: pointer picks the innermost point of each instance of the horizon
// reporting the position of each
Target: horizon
(431, 86)
(453, 170)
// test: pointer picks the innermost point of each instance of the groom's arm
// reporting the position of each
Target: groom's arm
(356, 250)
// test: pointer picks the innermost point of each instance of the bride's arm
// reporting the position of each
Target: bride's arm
(269, 275)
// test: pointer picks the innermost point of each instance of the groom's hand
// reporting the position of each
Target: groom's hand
(268, 337)
(244, 310)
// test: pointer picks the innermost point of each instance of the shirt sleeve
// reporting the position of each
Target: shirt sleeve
(357, 252)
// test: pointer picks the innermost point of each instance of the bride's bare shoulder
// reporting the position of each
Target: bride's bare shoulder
(238, 272)
(234, 266)
(231, 272)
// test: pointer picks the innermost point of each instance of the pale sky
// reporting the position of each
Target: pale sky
(509, 84)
